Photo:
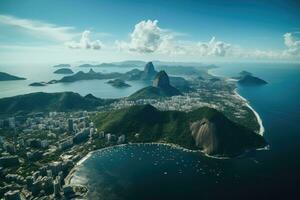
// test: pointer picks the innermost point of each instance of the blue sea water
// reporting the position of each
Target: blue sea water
(44, 72)
(161, 172)
(278, 102)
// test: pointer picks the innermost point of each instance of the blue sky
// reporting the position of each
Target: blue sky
(172, 30)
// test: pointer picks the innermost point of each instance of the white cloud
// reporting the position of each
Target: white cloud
(85, 42)
(292, 44)
(145, 38)
(60, 33)
(213, 48)
(148, 37)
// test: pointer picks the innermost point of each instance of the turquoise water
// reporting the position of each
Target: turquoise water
(44, 72)
(160, 172)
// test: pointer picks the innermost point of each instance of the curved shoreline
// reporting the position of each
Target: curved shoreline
(171, 145)
(258, 118)
(260, 132)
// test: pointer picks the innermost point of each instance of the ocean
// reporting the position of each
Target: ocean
(38, 72)
(152, 171)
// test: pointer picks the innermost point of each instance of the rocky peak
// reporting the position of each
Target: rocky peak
(92, 71)
(161, 80)
(149, 71)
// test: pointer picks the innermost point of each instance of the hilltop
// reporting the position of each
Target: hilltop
(118, 83)
(91, 75)
(63, 71)
(8, 77)
(46, 102)
(251, 80)
(161, 88)
(205, 129)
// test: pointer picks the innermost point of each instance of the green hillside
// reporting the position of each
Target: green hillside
(153, 125)
(151, 92)
(40, 101)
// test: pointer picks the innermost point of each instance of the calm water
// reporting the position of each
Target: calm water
(44, 72)
(161, 172)
(155, 171)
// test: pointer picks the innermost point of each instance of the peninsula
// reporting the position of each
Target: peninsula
(8, 77)
(204, 129)
(251, 80)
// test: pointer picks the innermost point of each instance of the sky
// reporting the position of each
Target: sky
(170, 30)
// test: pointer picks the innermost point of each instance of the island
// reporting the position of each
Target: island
(161, 88)
(118, 83)
(8, 77)
(62, 65)
(63, 71)
(251, 80)
(38, 84)
(245, 73)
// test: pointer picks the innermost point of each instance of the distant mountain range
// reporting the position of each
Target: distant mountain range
(91, 75)
(148, 74)
(62, 65)
(205, 128)
(121, 64)
(45, 102)
(8, 77)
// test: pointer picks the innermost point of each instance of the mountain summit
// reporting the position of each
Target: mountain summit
(149, 71)
(160, 88)
(161, 80)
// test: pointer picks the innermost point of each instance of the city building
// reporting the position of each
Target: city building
(66, 143)
(70, 125)
(9, 161)
(82, 135)
(12, 195)
(121, 139)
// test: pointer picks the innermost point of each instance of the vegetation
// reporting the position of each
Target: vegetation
(91, 75)
(251, 80)
(63, 71)
(46, 102)
(38, 84)
(118, 83)
(8, 77)
(151, 92)
(147, 124)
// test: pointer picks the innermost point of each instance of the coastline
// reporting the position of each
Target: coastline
(171, 145)
(258, 118)
(260, 132)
